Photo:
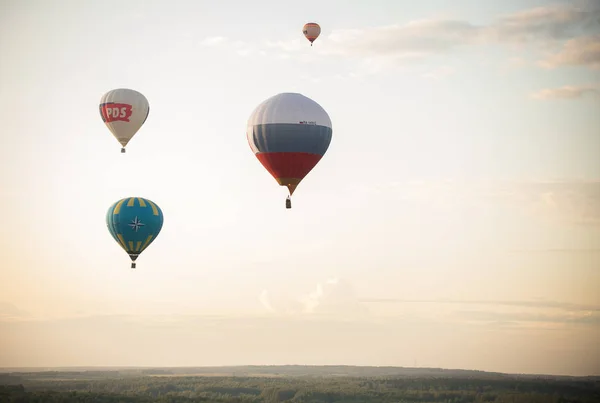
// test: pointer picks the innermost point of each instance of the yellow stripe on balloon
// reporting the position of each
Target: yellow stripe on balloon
(122, 241)
(117, 209)
(147, 241)
(154, 209)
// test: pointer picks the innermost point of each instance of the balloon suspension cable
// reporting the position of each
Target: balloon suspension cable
(123, 150)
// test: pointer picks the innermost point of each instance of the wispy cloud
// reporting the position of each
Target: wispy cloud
(9, 311)
(336, 298)
(580, 317)
(214, 41)
(533, 314)
(435, 335)
(416, 39)
(582, 51)
(567, 92)
(541, 24)
(241, 48)
(568, 201)
(265, 301)
(559, 250)
(439, 73)
(575, 29)
(332, 297)
(565, 306)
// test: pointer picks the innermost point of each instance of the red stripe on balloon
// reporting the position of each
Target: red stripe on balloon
(288, 165)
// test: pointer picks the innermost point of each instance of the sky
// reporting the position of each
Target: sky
(454, 221)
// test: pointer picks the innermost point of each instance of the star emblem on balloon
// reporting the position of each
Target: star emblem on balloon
(136, 224)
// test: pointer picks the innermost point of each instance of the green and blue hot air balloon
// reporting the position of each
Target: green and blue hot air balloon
(134, 222)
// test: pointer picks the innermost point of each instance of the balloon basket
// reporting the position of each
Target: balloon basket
(122, 150)
(288, 203)
(133, 265)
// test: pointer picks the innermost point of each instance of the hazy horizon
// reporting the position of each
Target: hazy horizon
(273, 370)
(454, 221)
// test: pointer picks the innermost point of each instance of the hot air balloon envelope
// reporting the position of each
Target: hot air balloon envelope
(124, 111)
(311, 31)
(134, 222)
(289, 133)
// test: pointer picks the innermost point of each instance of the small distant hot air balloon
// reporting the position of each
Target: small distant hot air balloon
(134, 222)
(289, 134)
(311, 31)
(124, 111)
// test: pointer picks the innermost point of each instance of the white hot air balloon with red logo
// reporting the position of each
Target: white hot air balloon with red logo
(124, 111)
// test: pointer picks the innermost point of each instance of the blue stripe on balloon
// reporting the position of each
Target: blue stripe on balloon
(288, 137)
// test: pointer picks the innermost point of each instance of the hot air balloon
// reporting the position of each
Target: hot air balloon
(134, 222)
(311, 31)
(289, 134)
(124, 111)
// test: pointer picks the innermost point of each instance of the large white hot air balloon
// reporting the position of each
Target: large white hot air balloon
(124, 111)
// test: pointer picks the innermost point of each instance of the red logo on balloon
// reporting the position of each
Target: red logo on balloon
(112, 112)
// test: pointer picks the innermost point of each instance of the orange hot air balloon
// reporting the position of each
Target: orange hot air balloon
(311, 31)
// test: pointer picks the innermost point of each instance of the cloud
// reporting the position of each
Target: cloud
(507, 313)
(416, 39)
(379, 48)
(570, 202)
(265, 301)
(565, 306)
(583, 318)
(332, 297)
(439, 73)
(459, 338)
(559, 250)
(515, 62)
(9, 311)
(376, 49)
(287, 46)
(582, 51)
(550, 23)
(335, 296)
(567, 92)
(419, 39)
(567, 201)
(280, 304)
(241, 48)
(214, 41)
(464, 337)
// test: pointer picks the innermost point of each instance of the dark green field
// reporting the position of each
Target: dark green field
(316, 384)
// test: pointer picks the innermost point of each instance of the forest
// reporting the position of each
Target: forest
(291, 384)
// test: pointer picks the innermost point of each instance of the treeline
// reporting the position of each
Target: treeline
(301, 390)
(279, 370)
